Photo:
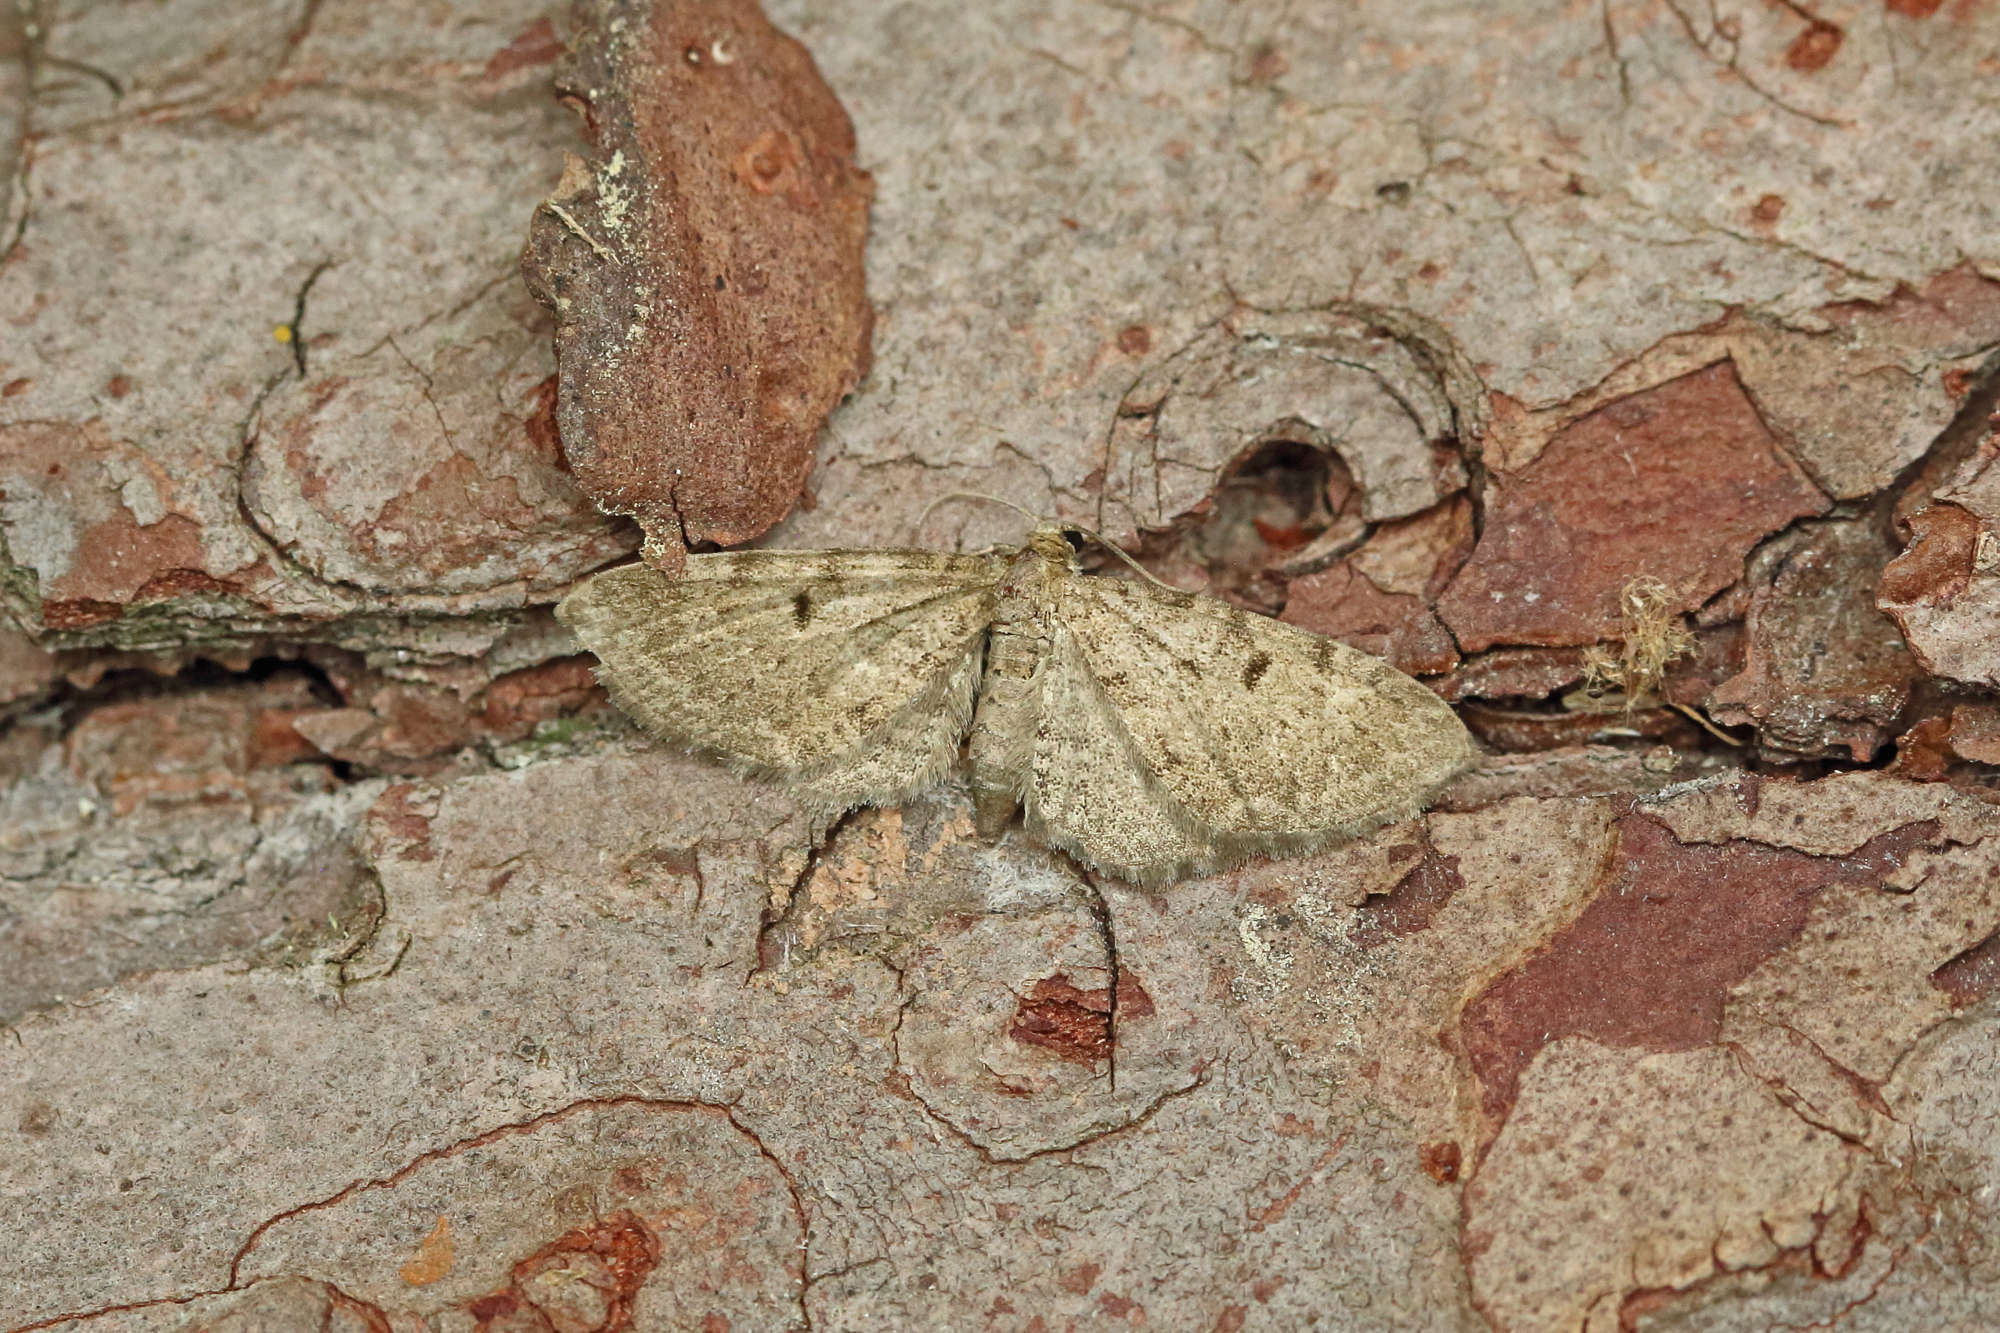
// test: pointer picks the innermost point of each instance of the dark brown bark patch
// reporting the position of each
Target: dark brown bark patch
(1379, 599)
(1345, 604)
(1676, 483)
(705, 270)
(1823, 669)
(1409, 907)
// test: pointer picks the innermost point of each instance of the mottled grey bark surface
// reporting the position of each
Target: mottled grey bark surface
(1625, 372)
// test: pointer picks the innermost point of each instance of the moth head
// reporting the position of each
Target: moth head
(1050, 542)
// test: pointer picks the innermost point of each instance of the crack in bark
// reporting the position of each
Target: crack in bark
(1120, 411)
(901, 1083)
(1623, 65)
(308, 16)
(124, 1307)
(1200, 36)
(1721, 1270)
(1048, 473)
(1100, 911)
(784, 916)
(814, 1279)
(1275, 1210)
(107, 78)
(478, 294)
(798, 1205)
(33, 26)
(726, 1110)
(1791, 1098)
(1734, 45)
(235, 1283)
(1948, 450)
(297, 328)
(348, 597)
(19, 187)
(1527, 255)
(423, 377)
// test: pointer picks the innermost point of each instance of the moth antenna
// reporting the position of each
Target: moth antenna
(1038, 519)
(1120, 552)
(980, 496)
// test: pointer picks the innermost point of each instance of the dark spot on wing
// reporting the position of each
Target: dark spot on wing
(1323, 655)
(802, 607)
(1254, 669)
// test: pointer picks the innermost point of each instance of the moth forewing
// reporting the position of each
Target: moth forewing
(853, 672)
(1248, 736)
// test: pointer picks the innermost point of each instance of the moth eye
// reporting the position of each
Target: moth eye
(802, 607)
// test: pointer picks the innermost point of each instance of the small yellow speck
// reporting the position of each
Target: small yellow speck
(283, 333)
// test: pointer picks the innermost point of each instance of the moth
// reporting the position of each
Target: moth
(1150, 733)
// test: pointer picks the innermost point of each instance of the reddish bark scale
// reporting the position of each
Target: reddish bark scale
(1923, 753)
(77, 468)
(1378, 599)
(189, 748)
(396, 727)
(1676, 483)
(273, 741)
(79, 613)
(1823, 669)
(1971, 976)
(1075, 1024)
(1650, 961)
(1343, 603)
(612, 1258)
(520, 699)
(400, 822)
(1418, 896)
(1513, 673)
(1975, 733)
(1937, 564)
(1135, 340)
(537, 44)
(1814, 48)
(706, 277)
(1441, 1161)
(1519, 730)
